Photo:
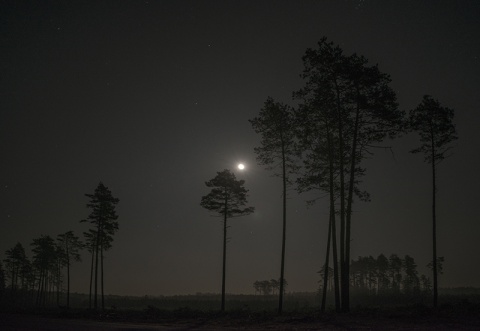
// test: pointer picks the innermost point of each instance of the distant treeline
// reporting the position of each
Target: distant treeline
(43, 279)
(394, 275)
(268, 287)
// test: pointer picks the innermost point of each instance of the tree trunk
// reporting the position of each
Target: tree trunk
(58, 283)
(97, 247)
(326, 265)
(101, 275)
(91, 278)
(282, 264)
(434, 231)
(68, 274)
(342, 194)
(224, 255)
(346, 289)
(332, 219)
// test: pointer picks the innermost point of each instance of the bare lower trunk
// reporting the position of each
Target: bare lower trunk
(91, 279)
(224, 256)
(282, 266)
(346, 285)
(343, 274)
(68, 275)
(326, 266)
(101, 276)
(434, 233)
(332, 220)
(96, 271)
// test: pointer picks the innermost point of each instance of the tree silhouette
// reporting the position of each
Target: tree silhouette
(90, 241)
(103, 218)
(372, 276)
(357, 109)
(383, 281)
(227, 199)
(395, 266)
(44, 259)
(15, 259)
(434, 124)
(322, 139)
(71, 246)
(275, 124)
(411, 282)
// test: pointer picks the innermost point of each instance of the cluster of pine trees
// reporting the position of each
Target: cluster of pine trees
(345, 110)
(382, 275)
(268, 287)
(41, 279)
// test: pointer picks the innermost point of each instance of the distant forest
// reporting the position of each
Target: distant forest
(41, 280)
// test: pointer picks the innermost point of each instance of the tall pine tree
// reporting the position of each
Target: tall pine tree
(227, 199)
(434, 125)
(276, 126)
(103, 218)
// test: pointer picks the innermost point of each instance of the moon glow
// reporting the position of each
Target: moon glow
(241, 166)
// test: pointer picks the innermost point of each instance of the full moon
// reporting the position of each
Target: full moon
(241, 166)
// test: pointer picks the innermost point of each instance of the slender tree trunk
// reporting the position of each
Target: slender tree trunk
(326, 265)
(282, 265)
(91, 278)
(434, 230)
(101, 275)
(332, 219)
(40, 279)
(58, 283)
(346, 295)
(97, 247)
(68, 273)
(343, 273)
(224, 255)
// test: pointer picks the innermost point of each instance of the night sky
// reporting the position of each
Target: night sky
(153, 98)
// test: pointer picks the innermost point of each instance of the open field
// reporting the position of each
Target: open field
(457, 311)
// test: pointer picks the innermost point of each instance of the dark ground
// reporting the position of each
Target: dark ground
(460, 317)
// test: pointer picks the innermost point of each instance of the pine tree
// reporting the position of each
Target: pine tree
(226, 199)
(103, 218)
(71, 246)
(434, 124)
(356, 109)
(275, 124)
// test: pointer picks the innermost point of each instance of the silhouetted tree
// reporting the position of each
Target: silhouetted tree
(90, 241)
(434, 124)
(411, 282)
(266, 287)
(103, 217)
(395, 268)
(275, 285)
(257, 286)
(227, 199)
(440, 261)
(326, 276)
(321, 135)
(383, 281)
(71, 246)
(15, 259)
(275, 123)
(357, 109)
(426, 284)
(44, 260)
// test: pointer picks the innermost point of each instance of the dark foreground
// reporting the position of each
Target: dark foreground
(412, 318)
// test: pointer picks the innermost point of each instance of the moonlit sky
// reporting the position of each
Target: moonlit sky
(153, 98)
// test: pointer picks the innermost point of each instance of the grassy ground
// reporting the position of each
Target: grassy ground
(456, 312)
